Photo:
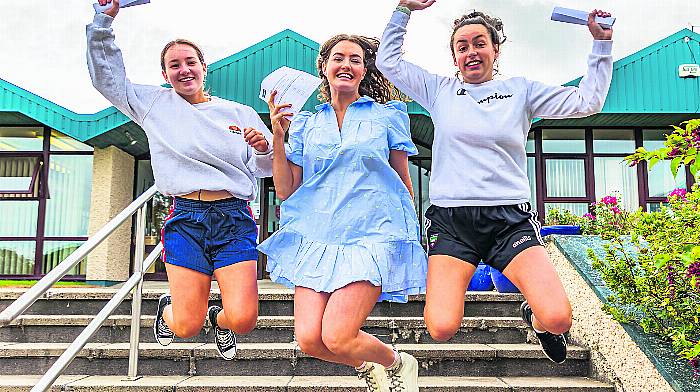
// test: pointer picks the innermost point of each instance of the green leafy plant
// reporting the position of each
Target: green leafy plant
(681, 146)
(652, 259)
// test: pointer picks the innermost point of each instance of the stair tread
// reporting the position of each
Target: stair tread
(264, 294)
(280, 350)
(263, 321)
(284, 382)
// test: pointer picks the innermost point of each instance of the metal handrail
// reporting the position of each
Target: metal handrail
(72, 351)
(21, 304)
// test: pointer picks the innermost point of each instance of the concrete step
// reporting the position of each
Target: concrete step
(65, 328)
(273, 302)
(284, 359)
(301, 383)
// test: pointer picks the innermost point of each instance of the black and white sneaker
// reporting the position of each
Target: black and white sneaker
(161, 331)
(553, 346)
(225, 338)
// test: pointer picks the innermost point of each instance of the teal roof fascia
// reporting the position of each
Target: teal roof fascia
(664, 92)
(78, 126)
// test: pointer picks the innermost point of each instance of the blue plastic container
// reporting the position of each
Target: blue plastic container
(503, 284)
(560, 229)
(481, 281)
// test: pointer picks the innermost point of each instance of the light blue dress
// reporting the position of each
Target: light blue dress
(352, 218)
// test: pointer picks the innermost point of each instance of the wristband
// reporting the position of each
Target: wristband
(404, 9)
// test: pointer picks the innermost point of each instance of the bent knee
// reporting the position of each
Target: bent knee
(442, 330)
(241, 322)
(187, 330)
(310, 344)
(338, 343)
(556, 323)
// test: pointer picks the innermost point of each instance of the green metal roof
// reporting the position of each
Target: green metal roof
(637, 95)
(646, 89)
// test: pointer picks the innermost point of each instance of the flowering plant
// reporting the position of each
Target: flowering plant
(681, 146)
(654, 273)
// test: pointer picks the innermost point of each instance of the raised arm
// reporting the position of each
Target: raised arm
(106, 67)
(589, 97)
(413, 80)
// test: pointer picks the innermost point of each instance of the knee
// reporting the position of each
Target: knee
(556, 322)
(310, 344)
(187, 329)
(441, 330)
(243, 323)
(337, 342)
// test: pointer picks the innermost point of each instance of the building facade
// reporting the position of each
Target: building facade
(64, 175)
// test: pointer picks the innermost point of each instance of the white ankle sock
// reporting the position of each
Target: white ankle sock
(397, 361)
(362, 367)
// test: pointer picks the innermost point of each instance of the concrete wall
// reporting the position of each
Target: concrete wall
(615, 357)
(112, 191)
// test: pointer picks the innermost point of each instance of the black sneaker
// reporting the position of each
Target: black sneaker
(225, 338)
(553, 346)
(161, 331)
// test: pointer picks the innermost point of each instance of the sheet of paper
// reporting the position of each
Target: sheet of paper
(124, 3)
(568, 15)
(292, 86)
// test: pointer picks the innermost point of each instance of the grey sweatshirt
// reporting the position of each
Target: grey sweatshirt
(481, 129)
(191, 146)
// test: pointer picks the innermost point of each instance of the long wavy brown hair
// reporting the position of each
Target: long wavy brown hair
(373, 85)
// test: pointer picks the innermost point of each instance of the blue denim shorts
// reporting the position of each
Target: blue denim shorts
(206, 235)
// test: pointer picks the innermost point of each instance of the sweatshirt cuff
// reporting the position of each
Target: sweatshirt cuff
(262, 154)
(103, 20)
(602, 47)
(399, 18)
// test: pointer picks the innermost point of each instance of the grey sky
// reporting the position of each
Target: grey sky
(42, 48)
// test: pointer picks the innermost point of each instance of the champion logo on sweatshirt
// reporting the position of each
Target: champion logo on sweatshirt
(494, 96)
(235, 130)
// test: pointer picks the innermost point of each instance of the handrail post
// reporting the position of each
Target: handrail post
(136, 296)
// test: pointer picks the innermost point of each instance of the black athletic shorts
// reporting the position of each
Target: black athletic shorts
(494, 234)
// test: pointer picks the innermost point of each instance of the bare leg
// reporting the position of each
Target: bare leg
(239, 296)
(346, 311)
(448, 279)
(189, 290)
(533, 273)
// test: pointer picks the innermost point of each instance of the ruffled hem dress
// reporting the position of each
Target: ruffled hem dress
(352, 218)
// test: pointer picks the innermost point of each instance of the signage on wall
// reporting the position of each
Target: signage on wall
(689, 70)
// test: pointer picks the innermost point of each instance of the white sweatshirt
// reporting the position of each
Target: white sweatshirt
(481, 129)
(191, 146)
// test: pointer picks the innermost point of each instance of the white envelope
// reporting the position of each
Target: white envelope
(567, 15)
(292, 86)
(124, 3)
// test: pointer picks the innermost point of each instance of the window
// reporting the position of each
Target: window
(19, 176)
(44, 217)
(563, 141)
(565, 177)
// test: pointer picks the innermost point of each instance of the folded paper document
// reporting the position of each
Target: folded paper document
(567, 15)
(124, 3)
(292, 86)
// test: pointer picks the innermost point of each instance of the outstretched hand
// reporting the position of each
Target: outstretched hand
(279, 119)
(112, 11)
(415, 5)
(596, 30)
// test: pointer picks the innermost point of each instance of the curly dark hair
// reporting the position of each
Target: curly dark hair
(493, 25)
(374, 84)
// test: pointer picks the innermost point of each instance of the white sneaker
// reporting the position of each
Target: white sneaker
(374, 375)
(405, 377)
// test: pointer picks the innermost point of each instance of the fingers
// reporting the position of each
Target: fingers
(255, 139)
(271, 100)
(103, 2)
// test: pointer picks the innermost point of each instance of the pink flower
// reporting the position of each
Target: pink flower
(609, 200)
(588, 215)
(679, 193)
(615, 210)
